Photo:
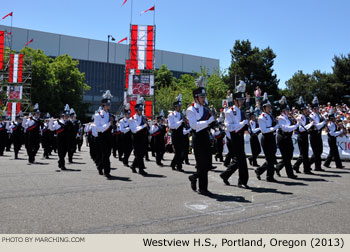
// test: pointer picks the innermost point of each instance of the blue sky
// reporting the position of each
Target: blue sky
(305, 34)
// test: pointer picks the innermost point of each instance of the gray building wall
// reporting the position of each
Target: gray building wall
(92, 56)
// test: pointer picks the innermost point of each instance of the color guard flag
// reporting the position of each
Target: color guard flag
(10, 14)
(150, 9)
(30, 41)
(126, 38)
(141, 47)
(124, 2)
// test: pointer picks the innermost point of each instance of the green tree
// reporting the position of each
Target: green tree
(56, 82)
(341, 71)
(254, 66)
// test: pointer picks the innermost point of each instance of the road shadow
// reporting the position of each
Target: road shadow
(312, 179)
(227, 198)
(328, 175)
(187, 172)
(268, 190)
(40, 163)
(126, 179)
(289, 183)
(74, 162)
(69, 170)
(338, 172)
(149, 175)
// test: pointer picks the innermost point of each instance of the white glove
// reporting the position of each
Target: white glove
(211, 119)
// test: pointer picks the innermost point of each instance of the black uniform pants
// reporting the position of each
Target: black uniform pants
(186, 148)
(255, 147)
(317, 149)
(17, 143)
(3, 136)
(177, 140)
(33, 145)
(238, 161)
(333, 152)
(285, 144)
(219, 148)
(268, 143)
(104, 146)
(140, 149)
(303, 143)
(201, 148)
(127, 145)
(62, 149)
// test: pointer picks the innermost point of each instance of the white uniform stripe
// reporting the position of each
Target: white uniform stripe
(141, 43)
(15, 68)
(13, 111)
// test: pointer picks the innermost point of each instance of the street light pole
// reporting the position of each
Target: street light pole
(107, 67)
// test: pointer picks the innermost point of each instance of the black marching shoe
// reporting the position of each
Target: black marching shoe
(319, 169)
(257, 175)
(226, 182)
(142, 172)
(133, 169)
(309, 172)
(100, 172)
(240, 185)
(278, 172)
(271, 180)
(292, 176)
(326, 165)
(250, 161)
(205, 192)
(340, 167)
(193, 183)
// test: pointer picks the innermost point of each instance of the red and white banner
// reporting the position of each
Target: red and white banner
(14, 92)
(13, 109)
(16, 68)
(141, 85)
(2, 46)
(142, 47)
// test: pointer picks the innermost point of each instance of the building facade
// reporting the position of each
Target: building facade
(92, 56)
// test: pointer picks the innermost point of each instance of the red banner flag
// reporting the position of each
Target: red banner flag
(150, 9)
(124, 2)
(2, 46)
(126, 38)
(30, 41)
(10, 14)
(8, 34)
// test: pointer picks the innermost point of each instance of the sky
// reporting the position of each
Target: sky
(304, 34)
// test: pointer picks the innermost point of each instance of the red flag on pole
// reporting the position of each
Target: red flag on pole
(150, 9)
(30, 41)
(8, 34)
(10, 14)
(126, 38)
(124, 2)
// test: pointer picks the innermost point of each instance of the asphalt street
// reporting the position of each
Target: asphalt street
(39, 198)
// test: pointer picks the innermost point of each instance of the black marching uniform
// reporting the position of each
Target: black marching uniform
(126, 141)
(32, 134)
(254, 131)
(17, 133)
(316, 139)
(285, 144)
(236, 122)
(303, 144)
(176, 124)
(103, 123)
(200, 119)
(61, 127)
(3, 136)
(158, 132)
(333, 132)
(138, 125)
(269, 146)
